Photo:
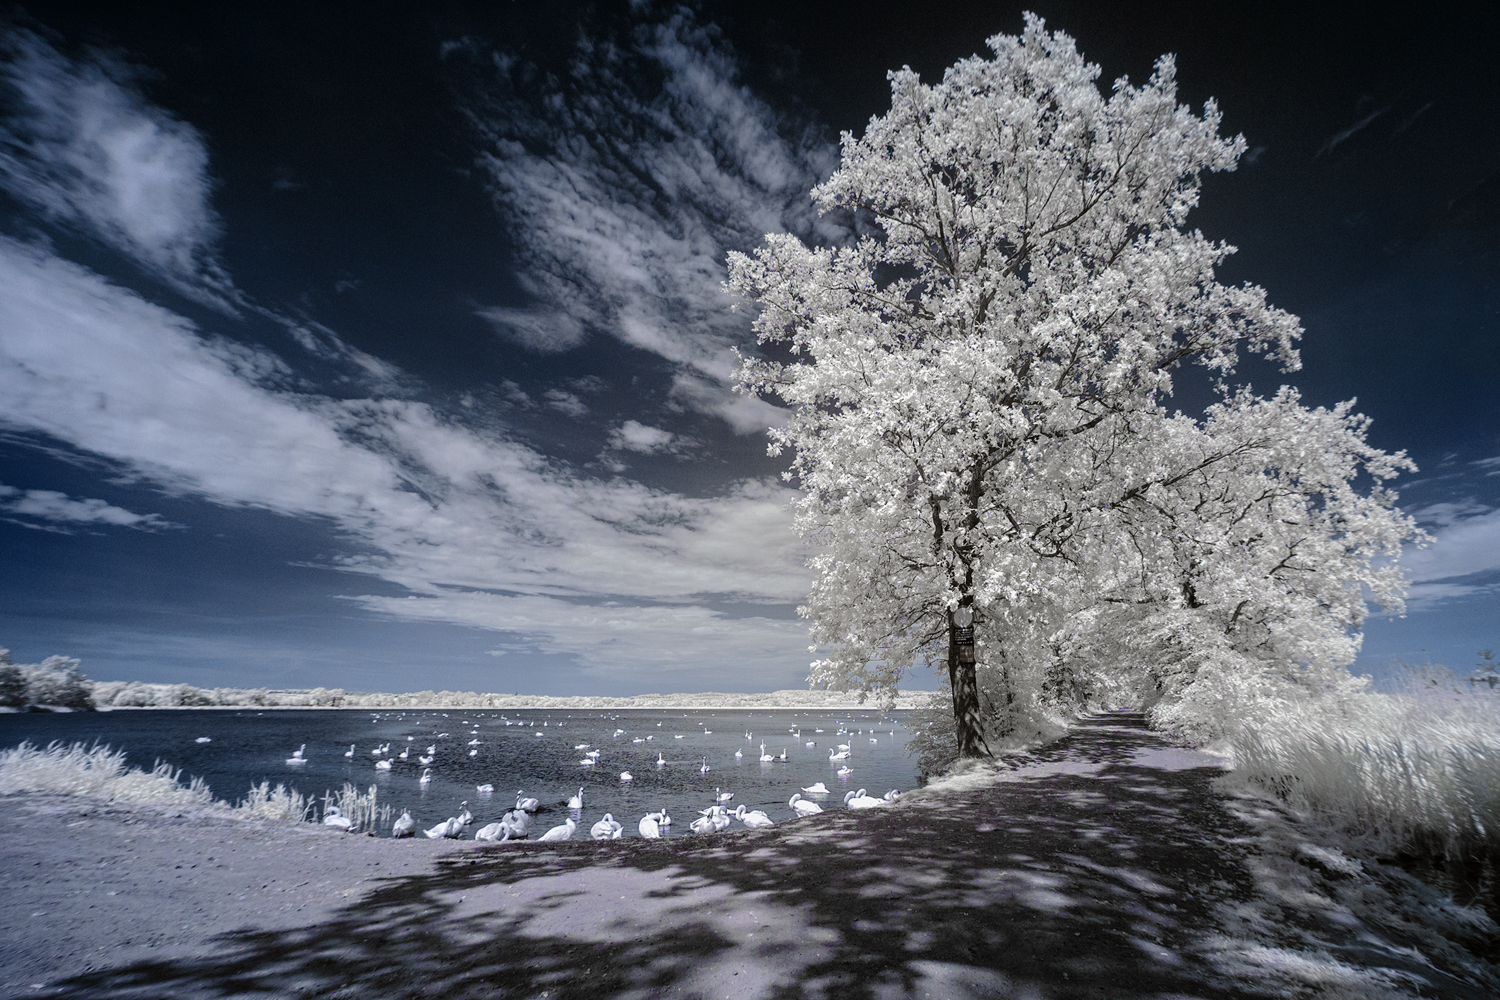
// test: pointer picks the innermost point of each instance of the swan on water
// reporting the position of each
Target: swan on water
(606, 828)
(625, 776)
(204, 739)
(405, 826)
(518, 822)
(350, 751)
(473, 743)
(801, 806)
(753, 818)
(424, 760)
(484, 789)
(581, 746)
(442, 830)
(650, 826)
(337, 820)
(404, 754)
(783, 754)
(382, 765)
(576, 802)
(433, 749)
(426, 778)
(703, 824)
(661, 761)
(816, 788)
(720, 816)
(564, 832)
(722, 796)
(738, 754)
(841, 755)
(587, 762)
(526, 804)
(296, 757)
(844, 771)
(473, 753)
(665, 820)
(704, 768)
(594, 754)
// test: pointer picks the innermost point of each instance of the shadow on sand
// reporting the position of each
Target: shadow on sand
(1094, 874)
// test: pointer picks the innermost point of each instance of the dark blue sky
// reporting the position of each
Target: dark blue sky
(383, 346)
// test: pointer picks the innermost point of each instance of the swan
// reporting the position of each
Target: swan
(811, 743)
(296, 757)
(465, 817)
(816, 788)
(587, 762)
(722, 796)
(494, 833)
(650, 826)
(892, 795)
(526, 805)
(337, 820)
(485, 789)
(473, 743)
(405, 826)
(639, 739)
(424, 760)
(844, 771)
(801, 806)
(783, 754)
(581, 746)
(720, 817)
(594, 754)
(661, 761)
(404, 754)
(625, 776)
(426, 778)
(606, 829)
(843, 746)
(704, 768)
(350, 751)
(473, 753)
(754, 818)
(665, 820)
(841, 755)
(382, 765)
(859, 800)
(738, 754)
(433, 749)
(204, 739)
(703, 824)
(440, 831)
(518, 822)
(564, 832)
(576, 802)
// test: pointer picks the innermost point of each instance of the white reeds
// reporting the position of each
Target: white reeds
(1394, 773)
(97, 771)
(360, 808)
(279, 803)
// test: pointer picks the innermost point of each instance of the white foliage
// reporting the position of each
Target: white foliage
(980, 408)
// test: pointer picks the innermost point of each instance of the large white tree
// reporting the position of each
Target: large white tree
(979, 422)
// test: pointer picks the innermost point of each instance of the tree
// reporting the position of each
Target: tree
(57, 680)
(12, 682)
(978, 392)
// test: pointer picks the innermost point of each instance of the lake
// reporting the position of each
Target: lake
(532, 750)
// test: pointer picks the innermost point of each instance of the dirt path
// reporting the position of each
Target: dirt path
(1107, 867)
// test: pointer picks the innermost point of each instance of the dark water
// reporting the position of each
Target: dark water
(535, 752)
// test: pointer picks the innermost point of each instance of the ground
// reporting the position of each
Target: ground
(1110, 864)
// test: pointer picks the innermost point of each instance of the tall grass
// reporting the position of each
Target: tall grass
(1413, 772)
(279, 803)
(358, 807)
(96, 771)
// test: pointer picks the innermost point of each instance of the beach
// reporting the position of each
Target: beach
(1109, 864)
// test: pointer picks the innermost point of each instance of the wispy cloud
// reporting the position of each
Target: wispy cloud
(1343, 135)
(479, 528)
(88, 150)
(50, 510)
(1464, 555)
(635, 436)
(626, 181)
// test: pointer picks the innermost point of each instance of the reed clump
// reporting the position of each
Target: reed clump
(97, 771)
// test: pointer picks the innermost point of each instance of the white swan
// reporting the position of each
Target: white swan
(660, 760)
(722, 796)
(473, 753)
(783, 754)
(564, 832)
(587, 762)
(816, 788)
(753, 818)
(424, 760)
(204, 739)
(528, 804)
(738, 754)
(485, 789)
(426, 778)
(892, 795)
(859, 800)
(665, 820)
(296, 757)
(494, 833)
(606, 829)
(382, 765)
(720, 817)
(405, 753)
(576, 802)
(440, 831)
(405, 826)
(703, 824)
(650, 826)
(704, 768)
(844, 771)
(801, 806)
(473, 743)
(518, 822)
(337, 820)
(350, 751)
(626, 776)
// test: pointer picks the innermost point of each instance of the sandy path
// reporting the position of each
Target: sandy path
(1107, 868)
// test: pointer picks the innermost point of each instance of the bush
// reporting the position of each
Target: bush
(12, 682)
(57, 681)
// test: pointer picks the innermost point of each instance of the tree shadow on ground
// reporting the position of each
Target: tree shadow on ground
(1097, 875)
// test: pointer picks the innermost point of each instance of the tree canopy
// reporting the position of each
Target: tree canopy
(980, 423)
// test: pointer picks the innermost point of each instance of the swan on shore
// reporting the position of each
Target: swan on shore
(801, 806)
(892, 795)
(337, 820)
(518, 822)
(650, 826)
(859, 800)
(405, 826)
(564, 832)
(754, 818)
(494, 833)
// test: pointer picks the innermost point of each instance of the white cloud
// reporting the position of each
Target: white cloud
(1465, 542)
(88, 150)
(626, 195)
(485, 530)
(633, 435)
(57, 509)
(565, 402)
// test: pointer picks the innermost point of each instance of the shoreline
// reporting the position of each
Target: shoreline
(480, 708)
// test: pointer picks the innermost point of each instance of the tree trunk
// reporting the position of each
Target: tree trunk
(965, 683)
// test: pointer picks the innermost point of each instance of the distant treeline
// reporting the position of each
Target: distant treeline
(58, 682)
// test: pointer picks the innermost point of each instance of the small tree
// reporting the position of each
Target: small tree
(58, 681)
(12, 682)
(979, 421)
